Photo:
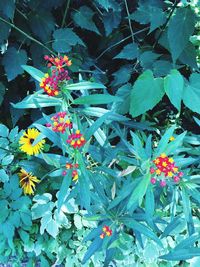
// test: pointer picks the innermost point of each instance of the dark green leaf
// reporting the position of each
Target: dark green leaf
(129, 52)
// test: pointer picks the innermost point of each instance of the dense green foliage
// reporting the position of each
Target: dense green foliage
(134, 93)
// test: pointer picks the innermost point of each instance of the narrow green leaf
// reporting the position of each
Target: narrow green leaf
(84, 86)
(63, 192)
(181, 254)
(95, 246)
(96, 99)
(35, 73)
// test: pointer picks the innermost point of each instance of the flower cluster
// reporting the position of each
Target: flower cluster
(106, 232)
(165, 167)
(74, 172)
(59, 62)
(76, 140)
(60, 122)
(50, 84)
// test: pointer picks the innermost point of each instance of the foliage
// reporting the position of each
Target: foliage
(118, 123)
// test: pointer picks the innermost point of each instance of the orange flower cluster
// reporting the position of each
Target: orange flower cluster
(59, 62)
(165, 167)
(106, 232)
(76, 140)
(60, 122)
(74, 172)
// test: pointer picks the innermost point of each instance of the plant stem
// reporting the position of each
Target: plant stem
(65, 14)
(110, 47)
(27, 35)
(165, 25)
(129, 21)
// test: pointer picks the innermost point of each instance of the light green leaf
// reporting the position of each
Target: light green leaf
(173, 85)
(181, 27)
(3, 130)
(84, 86)
(145, 85)
(96, 99)
(52, 228)
(3, 176)
(191, 93)
(35, 73)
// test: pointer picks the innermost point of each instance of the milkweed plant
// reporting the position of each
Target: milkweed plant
(66, 183)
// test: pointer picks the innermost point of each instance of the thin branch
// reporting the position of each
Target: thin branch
(110, 47)
(27, 35)
(166, 23)
(129, 21)
(65, 14)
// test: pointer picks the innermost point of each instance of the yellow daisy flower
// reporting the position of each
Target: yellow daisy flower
(27, 182)
(27, 139)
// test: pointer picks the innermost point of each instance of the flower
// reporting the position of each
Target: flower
(106, 231)
(74, 172)
(59, 62)
(27, 139)
(27, 182)
(60, 122)
(172, 138)
(76, 140)
(165, 168)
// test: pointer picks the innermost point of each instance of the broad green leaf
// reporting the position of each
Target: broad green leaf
(7, 160)
(122, 75)
(35, 73)
(64, 39)
(124, 92)
(147, 13)
(181, 27)
(129, 52)
(96, 99)
(83, 18)
(12, 61)
(84, 86)
(139, 191)
(52, 228)
(191, 93)
(39, 210)
(181, 254)
(38, 101)
(173, 85)
(95, 246)
(111, 20)
(145, 85)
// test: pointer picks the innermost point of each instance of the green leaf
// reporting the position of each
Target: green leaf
(124, 92)
(164, 141)
(129, 52)
(7, 7)
(142, 229)
(3, 130)
(139, 150)
(123, 75)
(3, 176)
(172, 146)
(95, 246)
(187, 242)
(96, 125)
(181, 254)
(2, 92)
(83, 18)
(191, 93)
(63, 192)
(64, 39)
(171, 226)
(52, 228)
(38, 101)
(145, 86)
(7, 160)
(173, 85)
(84, 86)
(111, 20)
(12, 62)
(35, 73)
(139, 191)
(147, 13)
(96, 99)
(181, 27)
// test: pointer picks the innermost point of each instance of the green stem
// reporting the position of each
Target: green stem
(129, 21)
(27, 35)
(110, 47)
(65, 14)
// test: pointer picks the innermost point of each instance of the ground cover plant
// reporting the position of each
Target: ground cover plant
(99, 133)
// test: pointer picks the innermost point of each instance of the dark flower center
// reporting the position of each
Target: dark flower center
(26, 180)
(31, 140)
